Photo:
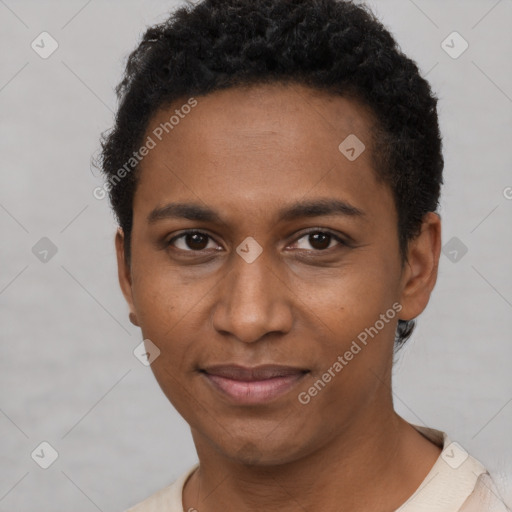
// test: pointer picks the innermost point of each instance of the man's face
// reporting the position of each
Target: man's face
(320, 280)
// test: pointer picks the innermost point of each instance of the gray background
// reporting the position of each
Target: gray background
(68, 375)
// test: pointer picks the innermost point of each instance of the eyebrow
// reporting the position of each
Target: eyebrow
(319, 207)
(312, 208)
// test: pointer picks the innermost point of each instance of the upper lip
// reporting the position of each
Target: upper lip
(262, 372)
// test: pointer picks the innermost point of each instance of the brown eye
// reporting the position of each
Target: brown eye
(318, 241)
(192, 241)
(197, 241)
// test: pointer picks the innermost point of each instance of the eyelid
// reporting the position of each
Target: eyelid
(190, 232)
(343, 240)
(297, 236)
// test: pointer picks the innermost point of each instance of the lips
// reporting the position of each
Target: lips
(264, 372)
(244, 385)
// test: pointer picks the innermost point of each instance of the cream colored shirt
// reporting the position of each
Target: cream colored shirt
(456, 483)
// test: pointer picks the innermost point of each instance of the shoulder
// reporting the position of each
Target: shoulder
(160, 500)
(169, 498)
(485, 497)
(456, 482)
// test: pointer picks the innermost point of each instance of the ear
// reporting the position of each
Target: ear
(124, 275)
(420, 270)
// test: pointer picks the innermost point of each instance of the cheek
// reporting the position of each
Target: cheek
(158, 308)
(162, 309)
(161, 297)
(351, 298)
(354, 348)
(173, 313)
(164, 313)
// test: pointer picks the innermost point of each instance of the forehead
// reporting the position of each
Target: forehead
(257, 146)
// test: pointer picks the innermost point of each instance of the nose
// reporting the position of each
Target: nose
(253, 301)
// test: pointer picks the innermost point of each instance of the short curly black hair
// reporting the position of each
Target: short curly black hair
(336, 46)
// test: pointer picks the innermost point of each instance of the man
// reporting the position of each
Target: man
(275, 168)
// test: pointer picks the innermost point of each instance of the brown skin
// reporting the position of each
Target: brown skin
(247, 154)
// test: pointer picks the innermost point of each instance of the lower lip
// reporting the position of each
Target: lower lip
(254, 392)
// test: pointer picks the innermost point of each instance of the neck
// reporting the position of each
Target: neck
(376, 463)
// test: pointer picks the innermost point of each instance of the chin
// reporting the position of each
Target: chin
(263, 450)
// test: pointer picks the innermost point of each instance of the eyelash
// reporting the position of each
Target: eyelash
(304, 234)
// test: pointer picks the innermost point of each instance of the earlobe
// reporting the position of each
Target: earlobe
(133, 319)
(124, 275)
(420, 270)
